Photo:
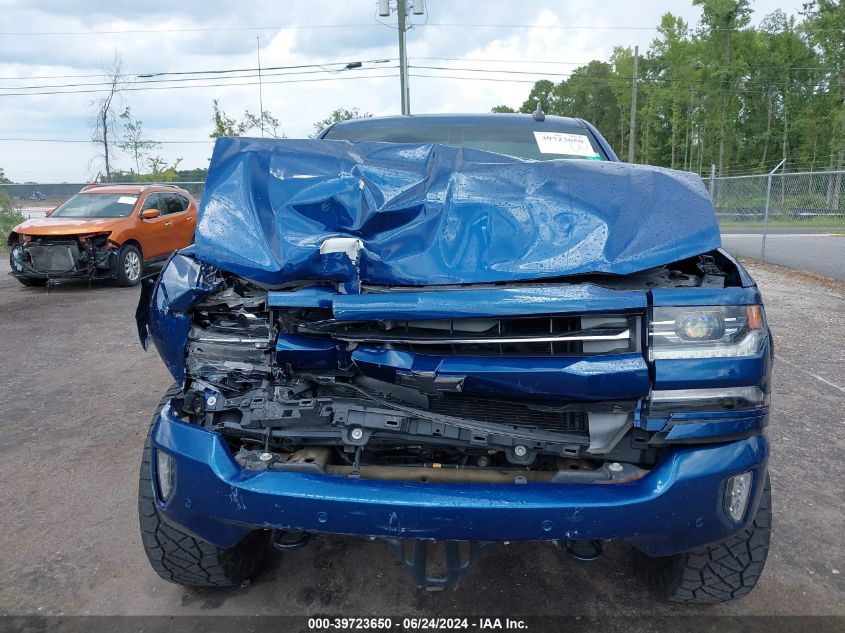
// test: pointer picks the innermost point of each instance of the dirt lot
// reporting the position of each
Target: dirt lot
(78, 392)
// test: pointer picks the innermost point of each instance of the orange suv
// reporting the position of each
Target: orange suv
(103, 232)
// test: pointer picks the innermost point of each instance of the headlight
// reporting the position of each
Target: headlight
(17, 257)
(96, 240)
(707, 332)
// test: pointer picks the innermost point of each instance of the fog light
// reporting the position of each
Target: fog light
(164, 472)
(737, 493)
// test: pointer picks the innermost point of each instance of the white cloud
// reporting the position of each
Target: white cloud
(350, 33)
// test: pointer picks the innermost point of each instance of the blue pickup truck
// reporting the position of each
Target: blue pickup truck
(451, 331)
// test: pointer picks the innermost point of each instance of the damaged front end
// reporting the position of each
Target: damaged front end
(364, 346)
(37, 257)
(486, 384)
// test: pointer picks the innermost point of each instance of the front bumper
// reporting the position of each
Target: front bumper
(29, 273)
(99, 263)
(676, 507)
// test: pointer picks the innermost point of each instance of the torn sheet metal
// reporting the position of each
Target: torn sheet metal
(434, 214)
(162, 313)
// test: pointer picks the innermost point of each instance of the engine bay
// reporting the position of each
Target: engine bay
(294, 388)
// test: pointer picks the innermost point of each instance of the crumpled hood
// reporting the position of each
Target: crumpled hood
(66, 226)
(435, 214)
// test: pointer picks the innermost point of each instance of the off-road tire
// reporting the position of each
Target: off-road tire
(185, 559)
(721, 572)
(32, 282)
(123, 278)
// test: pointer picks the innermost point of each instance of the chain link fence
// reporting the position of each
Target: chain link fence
(795, 220)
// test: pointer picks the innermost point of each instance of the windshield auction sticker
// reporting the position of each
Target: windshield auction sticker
(563, 143)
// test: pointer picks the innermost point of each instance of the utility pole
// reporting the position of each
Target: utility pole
(260, 96)
(403, 59)
(633, 133)
(401, 8)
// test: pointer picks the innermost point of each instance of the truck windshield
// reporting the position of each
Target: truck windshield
(540, 143)
(96, 205)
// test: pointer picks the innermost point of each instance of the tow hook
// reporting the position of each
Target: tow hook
(436, 565)
(582, 551)
(286, 541)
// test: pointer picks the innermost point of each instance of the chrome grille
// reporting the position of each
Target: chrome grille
(552, 335)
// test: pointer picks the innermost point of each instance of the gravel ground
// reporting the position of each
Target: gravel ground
(79, 392)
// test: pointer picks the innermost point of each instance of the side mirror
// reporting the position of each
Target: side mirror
(149, 214)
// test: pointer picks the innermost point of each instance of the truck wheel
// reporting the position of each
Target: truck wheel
(130, 264)
(185, 559)
(33, 282)
(721, 572)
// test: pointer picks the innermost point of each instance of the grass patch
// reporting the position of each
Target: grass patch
(834, 224)
(10, 217)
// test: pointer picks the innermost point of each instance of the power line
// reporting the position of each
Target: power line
(88, 141)
(493, 79)
(572, 27)
(181, 79)
(193, 29)
(743, 88)
(325, 66)
(602, 83)
(561, 63)
(28, 77)
(686, 82)
(492, 70)
(605, 28)
(502, 61)
(181, 87)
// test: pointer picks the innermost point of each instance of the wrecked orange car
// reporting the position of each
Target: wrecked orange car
(103, 232)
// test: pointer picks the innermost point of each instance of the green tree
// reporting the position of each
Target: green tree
(722, 92)
(588, 94)
(722, 23)
(337, 115)
(3, 179)
(502, 109)
(224, 125)
(670, 69)
(197, 174)
(622, 70)
(544, 92)
(160, 171)
(267, 123)
(133, 142)
(824, 25)
(9, 215)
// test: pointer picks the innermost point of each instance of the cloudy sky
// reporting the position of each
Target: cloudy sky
(60, 45)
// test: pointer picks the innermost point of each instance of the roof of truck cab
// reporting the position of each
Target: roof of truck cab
(515, 119)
